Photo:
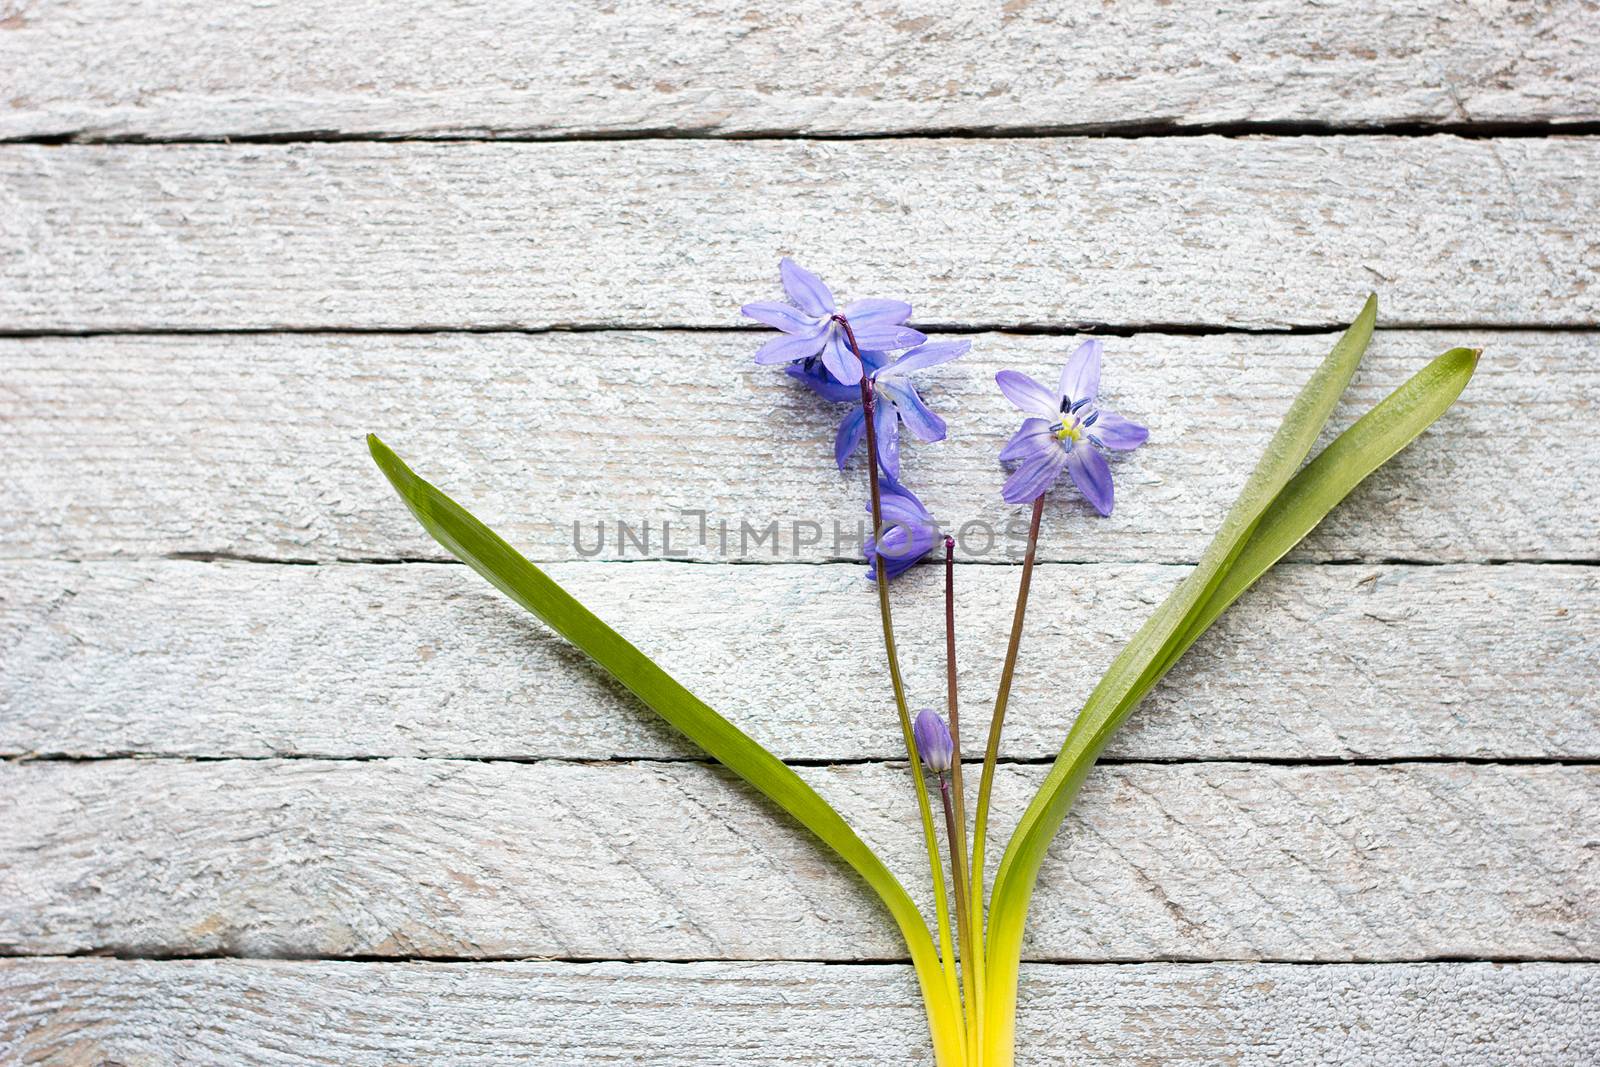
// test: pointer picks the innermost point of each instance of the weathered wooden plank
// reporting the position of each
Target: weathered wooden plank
(219, 659)
(92, 69)
(673, 860)
(211, 1011)
(253, 445)
(1258, 232)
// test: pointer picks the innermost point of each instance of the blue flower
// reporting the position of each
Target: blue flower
(1065, 431)
(934, 744)
(817, 378)
(813, 327)
(897, 400)
(909, 531)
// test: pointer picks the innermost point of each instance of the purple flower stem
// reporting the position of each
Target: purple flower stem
(930, 835)
(955, 812)
(992, 752)
(953, 703)
(956, 832)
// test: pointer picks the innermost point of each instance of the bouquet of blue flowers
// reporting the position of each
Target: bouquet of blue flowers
(865, 356)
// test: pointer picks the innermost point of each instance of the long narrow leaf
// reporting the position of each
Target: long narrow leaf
(1325, 481)
(487, 553)
(1374, 439)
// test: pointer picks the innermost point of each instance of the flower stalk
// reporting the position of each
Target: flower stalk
(1002, 697)
(930, 835)
(968, 908)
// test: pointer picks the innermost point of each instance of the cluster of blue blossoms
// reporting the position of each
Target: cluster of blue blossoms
(832, 350)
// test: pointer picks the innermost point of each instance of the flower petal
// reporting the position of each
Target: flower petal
(840, 361)
(783, 317)
(927, 355)
(1093, 475)
(934, 743)
(1034, 439)
(904, 510)
(805, 288)
(909, 532)
(851, 427)
(886, 335)
(1031, 479)
(1080, 378)
(896, 495)
(874, 362)
(819, 381)
(923, 423)
(787, 348)
(903, 548)
(886, 425)
(1115, 432)
(865, 312)
(1028, 394)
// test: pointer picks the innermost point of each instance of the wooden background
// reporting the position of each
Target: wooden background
(282, 785)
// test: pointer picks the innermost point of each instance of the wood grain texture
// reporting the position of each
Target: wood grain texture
(120, 450)
(673, 861)
(91, 68)
(143, 1012)
(1207, 230)
(231, 659)
(253, 446)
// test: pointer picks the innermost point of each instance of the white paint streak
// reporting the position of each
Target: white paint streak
(218, 659)
(460, 67)
(742, 1015)
(1208, 230)
(254, 446)
(675, 861)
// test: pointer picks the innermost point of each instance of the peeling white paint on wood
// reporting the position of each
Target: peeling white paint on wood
(735, 1014)
(673, 860)
(1206, 230)
(92, 68)
(238, 659)
(254, 446)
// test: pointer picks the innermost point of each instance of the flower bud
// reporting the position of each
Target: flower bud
(933, 741)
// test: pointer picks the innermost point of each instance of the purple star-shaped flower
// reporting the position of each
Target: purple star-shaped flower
(812, 326)
(909, 531)
(897, 400)
(1065, 430)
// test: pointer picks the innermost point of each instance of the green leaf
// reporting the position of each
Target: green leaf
(1275, 509)
(507, 570)
(1326, 480)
